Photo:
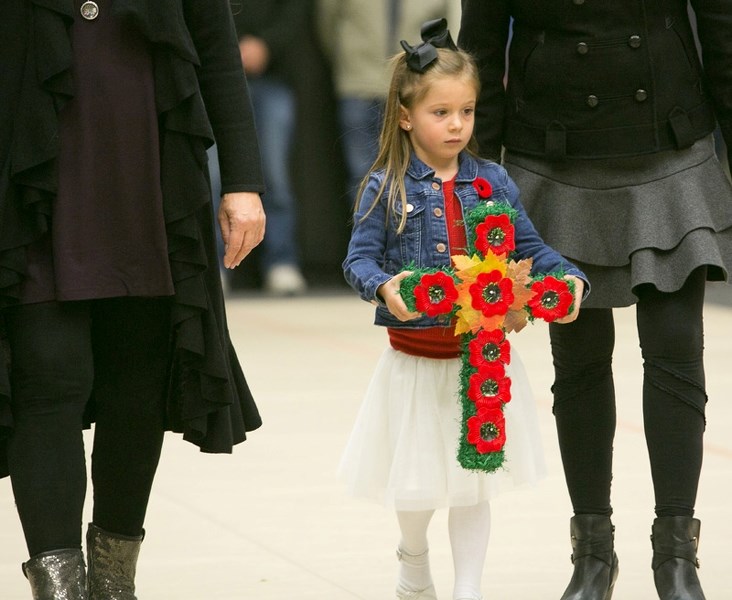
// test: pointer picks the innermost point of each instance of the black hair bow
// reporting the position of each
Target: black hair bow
(434, 35)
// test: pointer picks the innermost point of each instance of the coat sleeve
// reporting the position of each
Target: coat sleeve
(714, 27)
(224, 90)
(484, 34)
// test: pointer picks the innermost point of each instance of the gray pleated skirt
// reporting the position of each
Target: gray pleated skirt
(632, 220)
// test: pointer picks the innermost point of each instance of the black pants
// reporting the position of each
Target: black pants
(117, 351)
(670, 331)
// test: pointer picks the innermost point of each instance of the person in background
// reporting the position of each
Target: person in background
(402, 451)
(606, 121)
(268, 30)
(111, 308)
(358, 37)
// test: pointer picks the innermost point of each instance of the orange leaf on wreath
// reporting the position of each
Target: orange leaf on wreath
(521, 295)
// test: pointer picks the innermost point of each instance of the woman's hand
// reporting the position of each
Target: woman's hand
(389, 293)
(579, 288)
(241, 218)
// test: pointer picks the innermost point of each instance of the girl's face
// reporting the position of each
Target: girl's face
(441, 123)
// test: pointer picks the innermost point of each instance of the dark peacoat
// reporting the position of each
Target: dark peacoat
(597, 79)
(200, 91)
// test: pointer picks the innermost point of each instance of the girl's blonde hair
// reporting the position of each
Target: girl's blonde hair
(408, 87)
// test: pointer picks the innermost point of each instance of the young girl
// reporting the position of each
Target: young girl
(403, 447)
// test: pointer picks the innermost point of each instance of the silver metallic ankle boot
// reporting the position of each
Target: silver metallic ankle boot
(112, 564)
(58, 574)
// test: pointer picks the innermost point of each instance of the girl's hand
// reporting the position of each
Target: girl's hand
(241, 218)
(389, 293)
(579, 288)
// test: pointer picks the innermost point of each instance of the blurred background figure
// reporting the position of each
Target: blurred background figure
(358, 36)
(268, 39)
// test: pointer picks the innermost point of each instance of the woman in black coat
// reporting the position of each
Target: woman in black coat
(110, 297)
(606, 121)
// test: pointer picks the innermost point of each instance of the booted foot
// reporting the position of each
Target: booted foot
(57, 574)
(112, 564)
(594, 559)
(675, 541)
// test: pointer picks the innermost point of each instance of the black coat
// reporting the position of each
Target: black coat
(200, 90)
(599, 78)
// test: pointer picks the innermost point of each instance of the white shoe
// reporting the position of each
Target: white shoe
(425, 594)
(284, 280)
(405, 593)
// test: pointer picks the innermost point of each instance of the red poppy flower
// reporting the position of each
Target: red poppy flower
(489, 386)
(487, 430)
(492, 293)
(551, 299)
(495, 234)
(489, 347)
(435, 294)
(483, 188)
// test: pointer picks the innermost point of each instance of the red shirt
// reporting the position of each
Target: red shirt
(437, 342)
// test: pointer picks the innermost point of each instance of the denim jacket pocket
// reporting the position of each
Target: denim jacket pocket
(410, 239)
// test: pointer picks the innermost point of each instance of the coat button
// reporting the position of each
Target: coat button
(441, 247)
(634, 41)
(410, 207)
(582, 48)
(89, 10)
(437, 212)
(435, 185)
(592, 101)
(641, 95)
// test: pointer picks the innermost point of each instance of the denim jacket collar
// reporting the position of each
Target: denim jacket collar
(467, 168)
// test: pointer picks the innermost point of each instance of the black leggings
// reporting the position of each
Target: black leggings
(670, 330)
(62, 354)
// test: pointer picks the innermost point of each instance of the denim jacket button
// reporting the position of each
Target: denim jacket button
(435, 185)
(441, 247)
(410, 207)
(437, 212)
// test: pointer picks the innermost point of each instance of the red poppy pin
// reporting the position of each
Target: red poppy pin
(483, 188)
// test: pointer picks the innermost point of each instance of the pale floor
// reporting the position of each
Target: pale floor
(272, 521)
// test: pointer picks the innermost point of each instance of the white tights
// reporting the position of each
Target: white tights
(469, 528)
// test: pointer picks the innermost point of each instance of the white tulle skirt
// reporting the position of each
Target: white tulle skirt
(403, 448)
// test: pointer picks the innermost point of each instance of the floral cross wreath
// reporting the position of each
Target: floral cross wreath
(488, 295)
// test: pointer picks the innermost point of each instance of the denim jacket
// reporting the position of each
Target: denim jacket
(377, 252)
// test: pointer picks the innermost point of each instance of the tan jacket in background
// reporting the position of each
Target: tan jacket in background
(354, 34)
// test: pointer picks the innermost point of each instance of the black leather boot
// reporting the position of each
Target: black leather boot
(594, 559)
(675, 541)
